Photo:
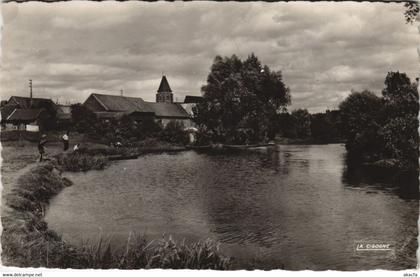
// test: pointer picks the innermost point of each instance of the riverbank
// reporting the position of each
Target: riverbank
(289, 141)
(28, 242)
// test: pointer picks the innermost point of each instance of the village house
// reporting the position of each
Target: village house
(163, 110)
(27, 113)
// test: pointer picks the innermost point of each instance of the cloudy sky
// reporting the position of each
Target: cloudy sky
(323, 49)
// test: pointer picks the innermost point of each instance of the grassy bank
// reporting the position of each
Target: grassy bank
(76, 161)
(27, 241)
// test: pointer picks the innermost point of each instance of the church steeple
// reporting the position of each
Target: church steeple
(164, 92)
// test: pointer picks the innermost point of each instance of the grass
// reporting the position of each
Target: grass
(77, 161)
(165, 253)
(27, 241)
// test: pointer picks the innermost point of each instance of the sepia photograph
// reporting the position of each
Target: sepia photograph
(209, 135)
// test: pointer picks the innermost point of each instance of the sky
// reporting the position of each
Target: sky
(324, 50)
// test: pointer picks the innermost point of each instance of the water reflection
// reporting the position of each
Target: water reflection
(297, 206)
(403, 184)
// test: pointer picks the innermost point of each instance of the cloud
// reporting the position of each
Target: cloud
(324, 49)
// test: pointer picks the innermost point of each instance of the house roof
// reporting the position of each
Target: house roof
(7, 110)
(193, 99)
(168, 110)
(164, 85)
(24, 115)
(108, 115)
(119, 103)
(25, 102)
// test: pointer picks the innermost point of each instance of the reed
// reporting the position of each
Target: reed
(82, 162)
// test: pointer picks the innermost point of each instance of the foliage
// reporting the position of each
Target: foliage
(384, 127)
(82, 162)
(400, 95)
(302, 120)
(127, 129)
(326, 126)
(401, 139)
(241, 100)
(362, 115)
(174, 133)
(412, 11)
(84, 120)
(319, 127)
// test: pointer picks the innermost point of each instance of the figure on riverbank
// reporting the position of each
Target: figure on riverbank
(41, 146)
(76, 147)
(65, 139)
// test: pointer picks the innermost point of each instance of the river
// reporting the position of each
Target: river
(294, 207)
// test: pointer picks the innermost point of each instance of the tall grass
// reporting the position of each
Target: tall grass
(165, 253)
(81, 162)
(27, 241)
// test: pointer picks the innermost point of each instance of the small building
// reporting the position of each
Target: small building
(23, 113)
(27, 119)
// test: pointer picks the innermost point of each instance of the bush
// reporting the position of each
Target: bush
(82, 162)
(174, 133)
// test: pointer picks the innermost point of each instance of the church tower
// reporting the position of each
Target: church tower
(164, 92)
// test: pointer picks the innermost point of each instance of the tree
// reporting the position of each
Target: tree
(286, 125)
(412, 11)
(321, 127)
(82, 118)
(384, 127)
(399, 132)
(302, 123)
(400, 94)
(362, 114)
(241, 100)
(401, 140)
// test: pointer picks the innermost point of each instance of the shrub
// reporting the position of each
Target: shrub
(174, 133)
(82, 162)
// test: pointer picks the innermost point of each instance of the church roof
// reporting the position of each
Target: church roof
(164, 85)
(115, 104)
(168, 110)
(121, 103)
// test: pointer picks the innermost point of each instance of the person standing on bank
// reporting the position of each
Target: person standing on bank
(65, 139)
(41, 146)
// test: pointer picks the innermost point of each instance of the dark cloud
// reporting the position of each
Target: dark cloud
(323, 49)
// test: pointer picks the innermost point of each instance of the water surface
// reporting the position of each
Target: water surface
(295, 206)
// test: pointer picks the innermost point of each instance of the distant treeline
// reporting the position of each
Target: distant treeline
(318, 128)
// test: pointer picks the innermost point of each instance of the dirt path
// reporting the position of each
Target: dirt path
(17, 159)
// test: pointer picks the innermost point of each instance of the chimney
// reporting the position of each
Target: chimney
(30, 93)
